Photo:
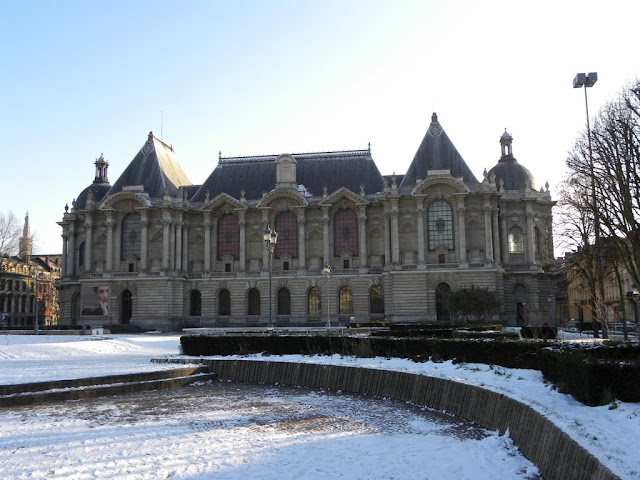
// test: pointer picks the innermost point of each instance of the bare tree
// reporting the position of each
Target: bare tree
(615, 173)
(10, 231)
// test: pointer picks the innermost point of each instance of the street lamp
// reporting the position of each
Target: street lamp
(36, 327)
(270, 237)
(588, 80)
(327, 272)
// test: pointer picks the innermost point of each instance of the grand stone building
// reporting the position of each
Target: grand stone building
(169, 254)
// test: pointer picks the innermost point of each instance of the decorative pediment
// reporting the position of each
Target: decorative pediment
(126, 202)
(283, 199)
(223, 202)
(344, 195)
(440, 182)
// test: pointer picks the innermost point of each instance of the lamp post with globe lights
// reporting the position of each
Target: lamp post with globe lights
(270, 237)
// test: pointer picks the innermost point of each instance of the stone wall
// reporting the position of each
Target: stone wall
(555, 454)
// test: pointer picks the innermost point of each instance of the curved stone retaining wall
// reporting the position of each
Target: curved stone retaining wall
(555, 454)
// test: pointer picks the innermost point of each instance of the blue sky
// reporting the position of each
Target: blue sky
(250, 78)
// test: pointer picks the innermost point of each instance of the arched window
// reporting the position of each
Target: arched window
(345, 232)
(440, 225)
(376, 299)
(195, 303)
(346, 301)
(284, 302)
(131, 237)
(442, 307)
(224, 302)
(516, 241)
(314, 301)
(228, 237)
(286, 225)
(253, 299)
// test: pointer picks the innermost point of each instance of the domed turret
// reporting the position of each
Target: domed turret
(509, 174)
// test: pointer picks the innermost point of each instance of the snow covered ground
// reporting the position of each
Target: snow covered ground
(236, 432)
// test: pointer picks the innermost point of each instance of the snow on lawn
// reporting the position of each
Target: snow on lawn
(609, 434)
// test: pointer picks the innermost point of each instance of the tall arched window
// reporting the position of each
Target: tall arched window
(376, 299)
(81, 251)
(228, 237)
(314, 301)
(345, 232)
(440, 225)
(516, 241)
(224, 302)
(131, 237)
(195, 303)
(286, 225)
(346, 301)
(284, 302)
(253, 302)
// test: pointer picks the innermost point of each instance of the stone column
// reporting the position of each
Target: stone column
(185, 247)
(325, 235)
(395, 236)
(530, 257)
(504, 234)
(302, 241)
(496, 235)
(421, 233)
(166, 239)
(72, 249)
(144, 240)
(214, 248)
(88, 243)
(207, 241)
(362, 227)
(65, 256)
(117, 237)
(387, 237)
(462, 231)
(242, 224)
(488, 236)
(179, 227)
(110, 223)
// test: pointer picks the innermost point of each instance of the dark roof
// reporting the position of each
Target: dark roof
(437, 152)
(256, 175)
(513, 174)
(156, 168)
(97, 190)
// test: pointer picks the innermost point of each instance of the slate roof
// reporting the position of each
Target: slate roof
(256, 175)
(98, 191)
(514, 175)
(437, 152)
(156, 168)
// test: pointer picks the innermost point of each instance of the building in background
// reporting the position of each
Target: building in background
(171, 254)
(25, 277)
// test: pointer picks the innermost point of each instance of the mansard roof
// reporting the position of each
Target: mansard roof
(155, 167)
(437, 152)
(257, 175)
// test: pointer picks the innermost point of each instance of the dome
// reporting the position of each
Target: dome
(95, 192)
(508, 171)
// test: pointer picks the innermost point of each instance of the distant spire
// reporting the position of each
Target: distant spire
(25, 243)
(506, 141)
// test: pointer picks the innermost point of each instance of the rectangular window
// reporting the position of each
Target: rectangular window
(227, 267)
(285, 265)
(345, 264)
(442, 258)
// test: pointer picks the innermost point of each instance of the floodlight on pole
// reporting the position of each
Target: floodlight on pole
(270, 237)
(327, 272)
(588, 80)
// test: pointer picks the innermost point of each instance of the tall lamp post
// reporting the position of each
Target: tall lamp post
(270, 237)
(36, 327)
(588, 80)
(327, 272)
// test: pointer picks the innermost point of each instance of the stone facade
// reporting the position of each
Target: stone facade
(173, 254)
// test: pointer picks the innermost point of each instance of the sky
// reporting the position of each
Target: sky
(120, 435)
(292, 76)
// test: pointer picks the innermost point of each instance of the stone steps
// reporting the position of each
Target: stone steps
(93, 387)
